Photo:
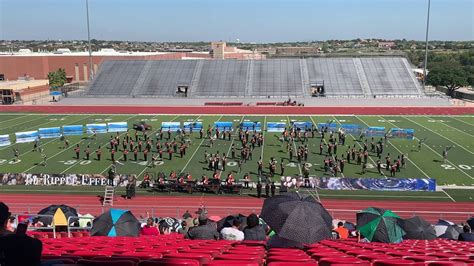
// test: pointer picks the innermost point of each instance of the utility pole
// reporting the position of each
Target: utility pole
(91, 69)
(426, 44)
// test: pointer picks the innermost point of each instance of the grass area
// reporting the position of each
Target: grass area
(439, 131)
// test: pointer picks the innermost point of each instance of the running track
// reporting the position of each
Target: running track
(222, 205)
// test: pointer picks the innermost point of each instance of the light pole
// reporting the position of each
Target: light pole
(91, 70)
(426, 44)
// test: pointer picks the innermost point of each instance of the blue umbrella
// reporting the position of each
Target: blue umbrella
(116, 222)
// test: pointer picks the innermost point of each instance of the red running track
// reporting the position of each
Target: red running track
(247, 110)
(176, 205)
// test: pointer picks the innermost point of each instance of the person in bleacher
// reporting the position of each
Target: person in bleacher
(341, 231)
(203, 231)
(18, 248)
(467, 235)
(254, 230)
(233, 232)
(149, 229)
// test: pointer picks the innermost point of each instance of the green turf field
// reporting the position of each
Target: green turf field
(439, 131)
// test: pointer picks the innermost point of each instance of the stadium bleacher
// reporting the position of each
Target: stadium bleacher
(346, 76)
(175, 250)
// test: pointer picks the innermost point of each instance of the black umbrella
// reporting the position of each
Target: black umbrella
(116, 223)
(470, 222)
(296, 218)
(229, 220)
(60, 214)
(452, 232)
(418, 228)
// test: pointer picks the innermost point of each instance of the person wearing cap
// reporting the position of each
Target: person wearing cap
(17, 249)
(203, 231)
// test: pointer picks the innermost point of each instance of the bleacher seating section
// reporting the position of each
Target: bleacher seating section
(175, 250)
(366, 76)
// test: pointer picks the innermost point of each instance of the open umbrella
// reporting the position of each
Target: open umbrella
(418, 228)
(293, 217)
(115, 223)
(452, 232)
(441, 226)
(59, 214)
(379, 225)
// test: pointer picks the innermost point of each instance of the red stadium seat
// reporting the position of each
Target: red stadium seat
(287, 263)
(339, 261)
(106, 263)
(202, 258)
(231, 262)
(170, 262)
(395, 262)
(134, 259)
(445, 263)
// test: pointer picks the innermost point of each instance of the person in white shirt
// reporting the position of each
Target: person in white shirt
(232, 233)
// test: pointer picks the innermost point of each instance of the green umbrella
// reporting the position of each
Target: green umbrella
(379, 225)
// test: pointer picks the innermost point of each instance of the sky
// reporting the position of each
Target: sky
(257, 21)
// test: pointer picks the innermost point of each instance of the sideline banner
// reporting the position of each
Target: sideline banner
(72, 130)
(329, 126)
(402, 133)
(375, 132)
(276, 126)
(49, 132)
(117, 127)
(196, 126)
(251, 126)
(62, 180)
(171, 126)
(4, 140)
(379, 184)
(27, 136)
(352, 129)
(302, 125)
(223, 126)
(98, 128)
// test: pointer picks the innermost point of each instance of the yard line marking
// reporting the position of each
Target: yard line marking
(29, 121)
(43, 144)
(72, 145)
(151, 135)
(436, 153)
(195, 151)
(314, 122)
(19, 116)
(448, 195)
(453, 128)
(233, 138)
(462, 147)
(375, 164)
(264, 137)
(294, 145)
(462, 121)
(400, 152)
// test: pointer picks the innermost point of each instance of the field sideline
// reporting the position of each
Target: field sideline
(440, 131)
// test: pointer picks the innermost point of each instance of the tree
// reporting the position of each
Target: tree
(57, 78)
(449, 74)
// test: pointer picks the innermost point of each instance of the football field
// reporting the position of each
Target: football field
(439, 132)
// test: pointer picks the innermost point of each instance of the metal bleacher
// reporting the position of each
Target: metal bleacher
(342, 77)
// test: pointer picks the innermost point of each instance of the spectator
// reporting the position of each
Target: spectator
(184, 228)
(254, 230)
(187, 215)
(202, 231)
(467, 235)
(232, 233)
(17, 249)
(149, 229)
(341, 231)
(164, 228)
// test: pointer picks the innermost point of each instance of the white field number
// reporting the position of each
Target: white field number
(71, 162)
(145, 163)
(451, 167)
(4, 161)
